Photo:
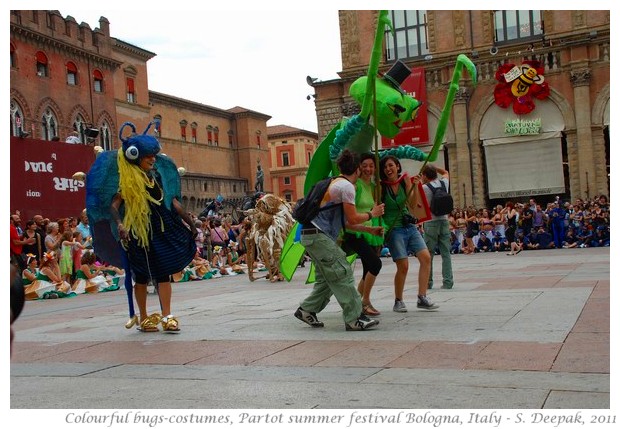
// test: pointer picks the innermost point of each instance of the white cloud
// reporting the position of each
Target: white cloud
(257, 59)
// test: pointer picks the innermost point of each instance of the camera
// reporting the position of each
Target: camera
(408, 219)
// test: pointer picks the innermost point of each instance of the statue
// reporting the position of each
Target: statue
(260, 177)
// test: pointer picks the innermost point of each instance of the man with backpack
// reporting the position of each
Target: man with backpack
(437, 230)
(334, 276)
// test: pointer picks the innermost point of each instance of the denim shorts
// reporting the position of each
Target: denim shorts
(404, 240)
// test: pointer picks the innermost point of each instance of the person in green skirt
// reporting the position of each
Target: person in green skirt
(359, 238)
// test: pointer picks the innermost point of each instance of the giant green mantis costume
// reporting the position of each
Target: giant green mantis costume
(385, 108)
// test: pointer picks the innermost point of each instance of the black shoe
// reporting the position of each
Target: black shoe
(308, 317)
(361, 324)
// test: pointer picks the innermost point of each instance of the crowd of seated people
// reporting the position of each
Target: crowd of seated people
(57, 259)
(559, 225)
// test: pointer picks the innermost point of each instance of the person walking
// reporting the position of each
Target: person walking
(359, 239)
(157, 241)
(402, 236)
(437, 230)
(334, 275)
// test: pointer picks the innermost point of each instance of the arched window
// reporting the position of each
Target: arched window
(97, 81)
(42, 66)
(71, 74)
(80, 126)
(49, 125)
(105, 139)
(17, 119)
(216, 136)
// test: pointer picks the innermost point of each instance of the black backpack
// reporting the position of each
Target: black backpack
(442, 202)
(309, 207)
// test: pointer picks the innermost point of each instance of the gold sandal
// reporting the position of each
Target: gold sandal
(150, 323)
(132, 321)
(170, 323)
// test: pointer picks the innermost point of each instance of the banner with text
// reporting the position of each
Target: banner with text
(41, 177)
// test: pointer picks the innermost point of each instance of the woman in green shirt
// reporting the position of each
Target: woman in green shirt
(359, 238)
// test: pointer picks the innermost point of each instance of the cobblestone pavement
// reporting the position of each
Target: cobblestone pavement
(530, 331)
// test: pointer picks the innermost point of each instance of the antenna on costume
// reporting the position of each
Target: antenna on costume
(148, 127)
(120, 133)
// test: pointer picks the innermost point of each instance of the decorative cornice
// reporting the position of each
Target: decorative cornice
(132, 49)
(42, 39)
(289, 134)
(169, 100)
(580, 77)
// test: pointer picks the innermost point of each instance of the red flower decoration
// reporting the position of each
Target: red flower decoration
(524, 83)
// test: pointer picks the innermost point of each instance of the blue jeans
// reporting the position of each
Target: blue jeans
(404, 240)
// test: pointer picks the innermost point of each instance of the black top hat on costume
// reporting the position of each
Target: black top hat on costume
(397, 74)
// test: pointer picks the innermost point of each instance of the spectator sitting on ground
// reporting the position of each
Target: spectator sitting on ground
(201, 266)
(114, 275)
(585, 234)
(89, 277)
(570, 241)
(48, 279)
(29, 274)
(455, 244)
(545, 239)
(530, 241)
(601, 237)
(499, 243)
(484, 244)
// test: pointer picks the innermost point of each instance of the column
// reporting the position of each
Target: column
(580, 79)
(463, 156)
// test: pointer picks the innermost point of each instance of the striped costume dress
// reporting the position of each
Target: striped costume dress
(171, 245)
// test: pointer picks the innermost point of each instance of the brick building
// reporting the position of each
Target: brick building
(567, 154)
(67, 77)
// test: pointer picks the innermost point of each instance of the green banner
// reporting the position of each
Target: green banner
(521, 127)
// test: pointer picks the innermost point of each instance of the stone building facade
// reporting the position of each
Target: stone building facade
(483, 160)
